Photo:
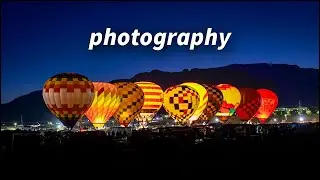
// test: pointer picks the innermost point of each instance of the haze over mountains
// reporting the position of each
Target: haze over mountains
(290, 82)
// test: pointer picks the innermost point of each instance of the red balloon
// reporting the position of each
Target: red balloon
(249, 105)
(269, 102)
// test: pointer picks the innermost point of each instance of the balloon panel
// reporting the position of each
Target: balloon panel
(231, 99)
(130, 104)
(68, 96)
(269, 102)
(249, 105)
(153, 97)
(215, 98)
(180, 102)
(106, 102)
(203, 98)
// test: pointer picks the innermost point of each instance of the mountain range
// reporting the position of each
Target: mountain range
(290, 82)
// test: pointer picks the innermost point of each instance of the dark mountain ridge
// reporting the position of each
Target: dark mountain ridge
(290, 82)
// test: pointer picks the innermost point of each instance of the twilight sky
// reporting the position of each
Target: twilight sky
(42, 39)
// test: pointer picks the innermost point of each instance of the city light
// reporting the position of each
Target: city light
(275, 120)
(14, 124)
(301, 119)
(217, 120)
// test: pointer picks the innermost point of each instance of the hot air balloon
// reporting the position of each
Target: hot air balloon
(180, 102)
(203, 99)
(106, 102)
(215, 98)
(68, 96)
(231, 100)
(269, 102)
(130, 104)
(153, 95)
(249, 105)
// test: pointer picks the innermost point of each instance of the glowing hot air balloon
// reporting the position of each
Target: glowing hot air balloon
(68, 96)
(215, 98)
(231, 100)
(180, 102)
(130, 104)
(106, 102)
(269, 102)
(249, 105)
(203, 99)
(153, 95)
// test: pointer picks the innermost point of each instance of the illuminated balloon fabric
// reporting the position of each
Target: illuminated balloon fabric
(130, 104)
(68, 96)
(249, 105)
(215, 98)
(153, 95)
(180, 102)
(269, 102)
(231, 100)
(203, 99)
(106, 102)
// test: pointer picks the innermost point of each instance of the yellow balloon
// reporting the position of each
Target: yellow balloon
(203, 99)
(131, 102)
(153, 96)
(231, 100)
(105, 104)
(180, 102)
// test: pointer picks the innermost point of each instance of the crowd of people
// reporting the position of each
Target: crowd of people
(175, 143)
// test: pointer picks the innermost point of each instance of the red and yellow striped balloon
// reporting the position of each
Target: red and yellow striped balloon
(105, 104)
(153, 95)
(68, 96)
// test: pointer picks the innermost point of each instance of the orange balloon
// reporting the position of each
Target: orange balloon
(105, 104)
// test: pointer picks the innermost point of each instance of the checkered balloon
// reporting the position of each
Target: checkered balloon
(68, 96)
(215, 98)
(249, 104)
(180, 102)
(131, 102)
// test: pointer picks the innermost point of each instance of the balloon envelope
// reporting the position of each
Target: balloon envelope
(68, 96)
(153, 96)
(215, 98)
(231, 100)
(269, 102)
(130, 104)
(249, 105)
(203, 99)
(106, 102)
(180, 102)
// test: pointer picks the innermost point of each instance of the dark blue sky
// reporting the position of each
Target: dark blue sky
(43, 39)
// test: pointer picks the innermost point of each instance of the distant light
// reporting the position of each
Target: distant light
(301, 119)
(14, 124)
(275, 120)
(217, 120)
